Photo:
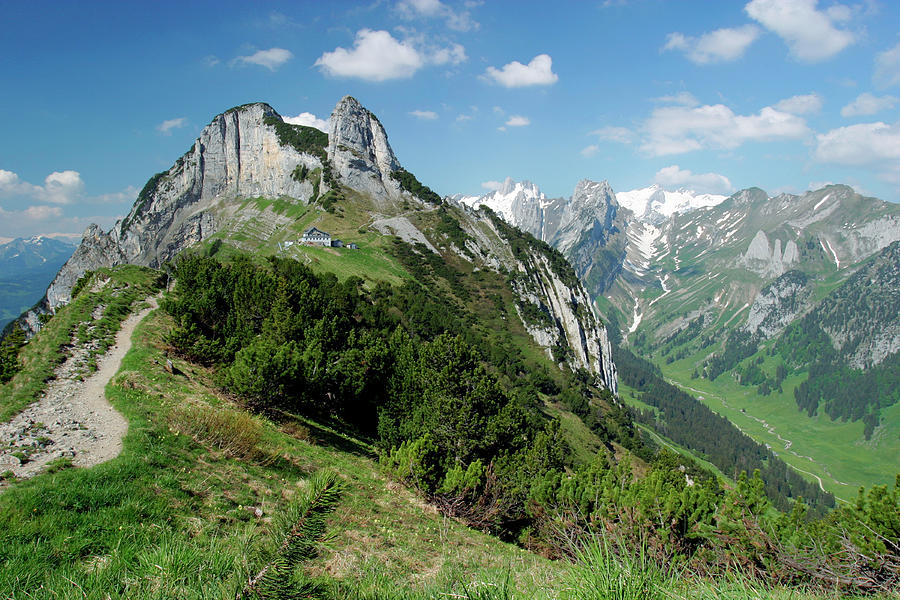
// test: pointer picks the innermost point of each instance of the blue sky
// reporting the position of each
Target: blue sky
(715, 96)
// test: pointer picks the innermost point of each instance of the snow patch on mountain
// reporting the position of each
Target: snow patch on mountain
(655, 204)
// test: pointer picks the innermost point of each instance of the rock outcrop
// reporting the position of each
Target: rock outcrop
(239, 154)
(778, 304)
(249, 152)
(768, 260)
(360, 154)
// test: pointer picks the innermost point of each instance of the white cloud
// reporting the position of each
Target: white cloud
(376, 56)
(538, 72)
(310, 120)
(708, 183)
(517, 121)
(458, 20)
(492, 185)
(461, 118)
(424, 115)
(168, 125)
(721, 45)
(42, 212)
(682, 98)
(60, 187)
(887, 67)
(453, 54)
(270, 59)
(810, 34)
(590, 150)
(127, 195)
(818, 185)
(48, 220)
(867, 104)
(621, 135)
(679, 129)
(800, 105)
(875, 145)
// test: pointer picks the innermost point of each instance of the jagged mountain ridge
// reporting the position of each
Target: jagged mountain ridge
(656, 250)
(249, 152)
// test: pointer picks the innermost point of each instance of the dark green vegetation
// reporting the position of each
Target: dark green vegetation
(307, 140)
(409, 183)
(867, 301)
(174, 515)
(688, 422)
(469, 434)
(9, 354)
(143, 198)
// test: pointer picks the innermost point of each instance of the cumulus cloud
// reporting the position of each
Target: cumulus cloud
(453, 54)
(538, 72)
(379, 56)
(811, 34)
(492, 185)
(721, 45)
(310, 120)
(270, 59)
(801, 105)
(708, 183)
(458, 20)
(590, 150)
(168, 125)
(517, 121)
(679, 129)
(875, 145)
(887, 67)
(60, 187)
(424, 115)
(867, 104)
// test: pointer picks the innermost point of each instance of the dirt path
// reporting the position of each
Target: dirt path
(73, 419)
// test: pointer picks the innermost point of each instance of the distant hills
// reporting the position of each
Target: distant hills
(27, 266)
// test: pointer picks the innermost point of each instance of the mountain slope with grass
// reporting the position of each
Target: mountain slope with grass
(431, 413)
(731, 297)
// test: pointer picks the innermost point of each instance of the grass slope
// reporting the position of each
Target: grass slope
(186, 512)
(834, 451)
(170, 516)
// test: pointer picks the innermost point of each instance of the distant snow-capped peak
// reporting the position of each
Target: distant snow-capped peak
(653, 203)
(502, 200)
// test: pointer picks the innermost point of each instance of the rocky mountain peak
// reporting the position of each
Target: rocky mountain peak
(359, 151)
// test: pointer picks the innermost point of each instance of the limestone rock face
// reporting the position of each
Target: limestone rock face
(238, 155)
(778, 304)
(571, 325)
(592, 209)
(359, 151)
(769, 260)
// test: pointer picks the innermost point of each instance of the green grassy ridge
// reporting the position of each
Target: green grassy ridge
(43, 352)
(168, 518)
